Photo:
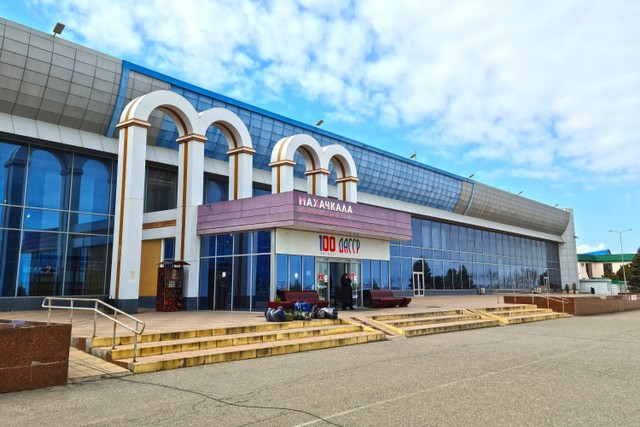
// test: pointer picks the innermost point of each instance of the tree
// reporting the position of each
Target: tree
(633, 276)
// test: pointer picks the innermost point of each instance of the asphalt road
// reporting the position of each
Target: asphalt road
(579, 371)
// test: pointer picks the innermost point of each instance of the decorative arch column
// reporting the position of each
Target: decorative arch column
(346, 173)
(282, 164)
(127, 237)
(240, 149)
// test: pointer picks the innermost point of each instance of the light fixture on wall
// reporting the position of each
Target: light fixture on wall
(319, 122)
(58, 29)
(413, 156)
(471, 176)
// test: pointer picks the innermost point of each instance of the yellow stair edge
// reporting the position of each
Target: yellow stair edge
(253, 351)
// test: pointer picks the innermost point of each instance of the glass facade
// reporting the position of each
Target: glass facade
(380, 173)
(455, 257)
(235, 271)
(56, 221)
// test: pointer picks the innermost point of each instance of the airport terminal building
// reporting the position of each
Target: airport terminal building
(108, 168)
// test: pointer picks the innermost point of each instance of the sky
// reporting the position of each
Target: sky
(538, 96)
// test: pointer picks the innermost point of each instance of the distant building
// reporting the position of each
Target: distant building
(594, 265)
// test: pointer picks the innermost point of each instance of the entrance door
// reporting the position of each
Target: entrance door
(418, 284)
(223, 285)
(328, 273)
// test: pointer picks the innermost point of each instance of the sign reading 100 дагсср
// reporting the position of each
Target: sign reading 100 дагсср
(329, 245)
(296, 242)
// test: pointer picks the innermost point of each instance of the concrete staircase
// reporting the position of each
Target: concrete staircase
(157, 352)
(415, 324)
(509, 315)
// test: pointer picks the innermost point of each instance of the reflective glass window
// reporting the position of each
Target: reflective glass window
(435, 235)
(13, 167)
(49, 180)
(242, 244)
(426, 233)
(216, 190)
(295, 272)
(86, 265)
(10, 217)
(224, 244)
(416, 232)
(169, 250)
(161, 189)
(41, 266)
(308, 277)
(9, 254)
(262, 242)
(407, 274)
(88, 224)
(207, 246)
(91, 185)
(395, 278)
(376, 279)
(366, 274)
(241, 282)
(45, 220)
(384, 266)
(282, 273)
(261, 278)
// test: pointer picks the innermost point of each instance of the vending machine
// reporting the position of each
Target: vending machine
(170, 281)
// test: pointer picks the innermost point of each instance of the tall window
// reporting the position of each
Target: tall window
(161, 189)
(56, 221)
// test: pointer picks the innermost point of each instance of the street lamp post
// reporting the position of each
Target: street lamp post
(624, 273)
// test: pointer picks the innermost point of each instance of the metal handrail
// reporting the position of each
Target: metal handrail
(138, 330)
(556, 298)
(533, 294)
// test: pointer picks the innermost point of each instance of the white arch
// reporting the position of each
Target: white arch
(346, 172)
(317, 161)
(282, 164)
(172, 104)
(240, 149)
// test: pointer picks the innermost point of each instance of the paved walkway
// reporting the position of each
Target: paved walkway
(83, 366)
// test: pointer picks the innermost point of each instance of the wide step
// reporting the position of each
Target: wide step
(449, 327)
(249, 351)
(171, 350)
(521, 314)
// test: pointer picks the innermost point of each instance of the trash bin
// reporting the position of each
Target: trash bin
(593, 290)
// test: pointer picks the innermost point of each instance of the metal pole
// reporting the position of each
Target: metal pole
(49, 315)
(115, 315)
(135, 343)
(624, 273)
(71, 313)
(95, 317)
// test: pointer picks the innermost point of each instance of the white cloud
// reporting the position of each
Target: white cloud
(583, 249)
(553, 86)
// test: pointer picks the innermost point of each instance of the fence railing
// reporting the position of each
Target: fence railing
(98, 307)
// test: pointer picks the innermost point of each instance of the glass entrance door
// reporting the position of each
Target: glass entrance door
(328, 274)
(418, 284)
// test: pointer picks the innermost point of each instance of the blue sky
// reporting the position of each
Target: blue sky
(536, 96)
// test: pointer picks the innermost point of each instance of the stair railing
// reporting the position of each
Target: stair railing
(562, 300)
(137, 330)
(533, 294)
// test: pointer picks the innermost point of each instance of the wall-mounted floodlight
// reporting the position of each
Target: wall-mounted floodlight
(319, 122)
(413, 156)
(58, 28)
(471, 176)
(556, 205)
(520, 192)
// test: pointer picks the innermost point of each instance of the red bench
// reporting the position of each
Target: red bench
(382, 298)
(291, 297)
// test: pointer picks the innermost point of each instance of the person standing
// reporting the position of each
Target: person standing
(345, 292)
